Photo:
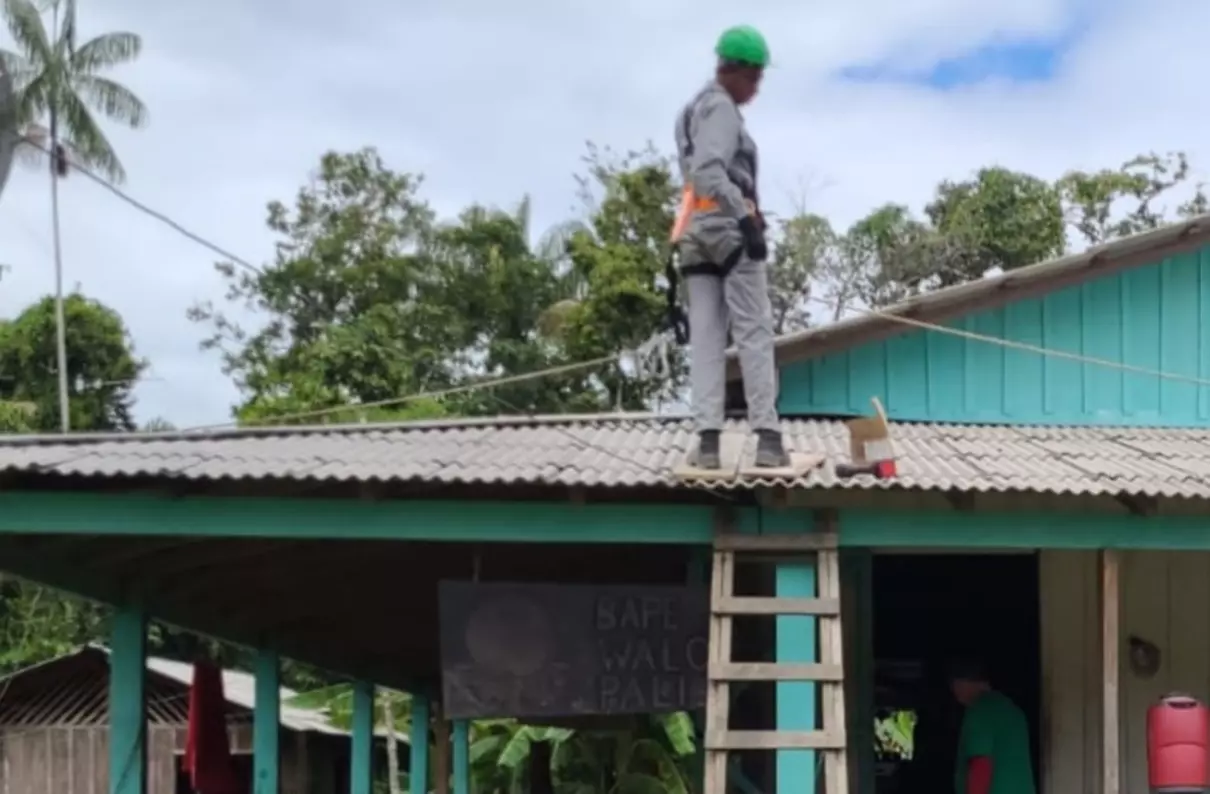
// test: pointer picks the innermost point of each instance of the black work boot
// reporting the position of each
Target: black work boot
(708, 455)
(770, 452)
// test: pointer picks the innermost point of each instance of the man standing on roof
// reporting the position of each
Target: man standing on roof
(720, 234)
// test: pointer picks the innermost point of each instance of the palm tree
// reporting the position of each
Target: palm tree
(8, 128)
(59, 86)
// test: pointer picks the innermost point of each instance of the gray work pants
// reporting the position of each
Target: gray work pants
(739, 302)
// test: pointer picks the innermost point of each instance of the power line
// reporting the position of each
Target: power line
(150, 211)
(437, 394)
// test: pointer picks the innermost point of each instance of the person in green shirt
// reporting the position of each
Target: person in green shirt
(993, 746)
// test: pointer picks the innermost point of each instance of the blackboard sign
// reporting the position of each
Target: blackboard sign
(547, 650)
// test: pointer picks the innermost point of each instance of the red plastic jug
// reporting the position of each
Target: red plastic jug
(1178, 732)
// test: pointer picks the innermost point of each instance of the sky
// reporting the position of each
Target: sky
(870, 101)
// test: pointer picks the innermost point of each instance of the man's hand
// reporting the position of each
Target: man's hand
(754, 239)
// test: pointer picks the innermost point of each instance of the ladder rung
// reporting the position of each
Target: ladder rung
(768, 605)
(785, 541)
(775, 671)
(774, 740)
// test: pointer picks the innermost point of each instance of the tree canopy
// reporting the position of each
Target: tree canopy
(101, 365)
(60, 83)
(370, 296)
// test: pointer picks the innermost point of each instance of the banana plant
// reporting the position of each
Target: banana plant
(895, 734)
(648, 758)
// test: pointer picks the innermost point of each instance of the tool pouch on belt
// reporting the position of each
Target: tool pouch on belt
(715, 247)
(718, 242)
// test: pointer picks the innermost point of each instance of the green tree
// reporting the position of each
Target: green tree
(347, 301)
(1115, 202)
(893, 254)
(495, 290)
(615, 265)
(102, 368)
(38, 624)
(649, 755)
(807, 254)
(997, 219)
(369, 298)
(1002, 220)
(17, 417)
(59, 85)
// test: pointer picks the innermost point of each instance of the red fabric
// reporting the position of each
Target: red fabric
(207, 758)
(979, 775)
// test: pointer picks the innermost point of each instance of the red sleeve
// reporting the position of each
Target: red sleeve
(979, 775)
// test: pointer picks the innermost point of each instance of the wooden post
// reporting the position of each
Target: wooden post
(796, 700)
(303, 765)
(698, 573)
(462, 757)
(361, 765)
(857, 608)
(266, 725)
(418, 773)
(128, 702)
(1111, 643)
(441, 752)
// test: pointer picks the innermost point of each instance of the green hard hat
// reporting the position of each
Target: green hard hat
(743, 44)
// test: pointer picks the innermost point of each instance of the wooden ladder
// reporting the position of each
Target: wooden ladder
(829, 672)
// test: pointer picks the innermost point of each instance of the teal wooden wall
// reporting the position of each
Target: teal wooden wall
(1156, 317)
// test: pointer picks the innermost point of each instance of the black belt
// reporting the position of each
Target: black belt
(716, 269)
(678, 322)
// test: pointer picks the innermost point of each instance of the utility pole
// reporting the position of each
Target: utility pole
(60, 319)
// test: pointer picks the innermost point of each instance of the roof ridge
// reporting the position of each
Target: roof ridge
(501, 420)
(518, 421)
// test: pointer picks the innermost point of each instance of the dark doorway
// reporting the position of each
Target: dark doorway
(929, 609)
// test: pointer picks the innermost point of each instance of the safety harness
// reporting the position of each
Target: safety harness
(678, 321)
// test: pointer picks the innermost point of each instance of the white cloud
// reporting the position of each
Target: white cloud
(492, 102)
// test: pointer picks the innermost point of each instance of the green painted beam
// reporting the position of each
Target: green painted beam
(128, 701)
(411, 519)
(266, 725)
(565, 522)
(1023, 530)
(361, 766)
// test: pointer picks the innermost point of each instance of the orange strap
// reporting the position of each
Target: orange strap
(685, 208)
(691, 203)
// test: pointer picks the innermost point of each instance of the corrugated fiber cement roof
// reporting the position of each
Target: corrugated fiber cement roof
(627, 450)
